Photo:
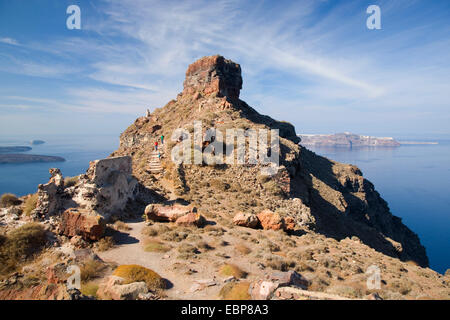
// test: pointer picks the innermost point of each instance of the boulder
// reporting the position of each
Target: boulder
(246, 220)
(167, 213)
(114, 289)
(289, 278)
(191, 219)
(270, 220)
(265, 289)
(81, 222)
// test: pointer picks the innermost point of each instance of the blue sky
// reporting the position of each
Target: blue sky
(313, 63)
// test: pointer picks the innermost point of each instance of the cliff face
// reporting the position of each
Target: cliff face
(321, 195)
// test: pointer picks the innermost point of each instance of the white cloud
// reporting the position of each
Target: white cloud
(10, 41)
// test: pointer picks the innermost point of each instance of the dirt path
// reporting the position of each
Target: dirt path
(130, 251)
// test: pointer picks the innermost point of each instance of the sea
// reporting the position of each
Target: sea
(413, 179)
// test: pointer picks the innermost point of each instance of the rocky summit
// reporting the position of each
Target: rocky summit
(312, 229)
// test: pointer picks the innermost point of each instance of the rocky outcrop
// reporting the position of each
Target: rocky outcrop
(105, 189)
(214, 75)
(84, 223)
(308, 192)
(51, 195)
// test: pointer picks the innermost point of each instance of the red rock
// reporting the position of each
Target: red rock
(213, 74)
(246, 220)
(80, 222)
(159, 212)
(270, 220)
(191, 219)
(289, 224)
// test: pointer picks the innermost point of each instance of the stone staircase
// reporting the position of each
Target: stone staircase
(155, 166)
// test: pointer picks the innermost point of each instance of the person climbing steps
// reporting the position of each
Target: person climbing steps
(162, 139)
(156, 145)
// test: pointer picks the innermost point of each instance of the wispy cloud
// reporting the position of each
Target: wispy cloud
(309, 57)
(10, 41)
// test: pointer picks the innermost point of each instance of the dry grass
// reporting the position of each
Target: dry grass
(105, 243)
(235, 291)
(121, 226)
(204, 246)
(70, 181)
(242, 249)
(155, 230)
(135, 273)
(92, 269)
(232, 270)
(8, 200)
(156, 246)
(19, 245)
(30, 204)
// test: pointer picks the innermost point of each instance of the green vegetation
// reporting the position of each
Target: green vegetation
(134, 273)
(232, 270)
(89, 289)
(20, 245)
(156, 246)
(235, 291)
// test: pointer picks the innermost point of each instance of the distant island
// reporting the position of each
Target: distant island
(346, 139)
(36, 142)
(27, 158)
(14, 149)
(11, 154)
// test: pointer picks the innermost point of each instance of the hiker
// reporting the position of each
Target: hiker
(156, 145)
(162, 139)
(159, 155)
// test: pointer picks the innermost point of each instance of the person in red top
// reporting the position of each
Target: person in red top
(156, 145)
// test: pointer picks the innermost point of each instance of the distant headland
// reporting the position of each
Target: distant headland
(13, 154)
(347, 139)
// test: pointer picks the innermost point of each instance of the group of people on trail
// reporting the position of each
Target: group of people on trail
(156, 145)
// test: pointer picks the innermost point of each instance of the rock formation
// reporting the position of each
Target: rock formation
(315, 193)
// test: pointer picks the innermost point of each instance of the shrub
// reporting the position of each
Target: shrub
(187, 248)
(20, 244)
(91, 269)
(30, 204)
(176, 236)
(135, 273)
(232, 270)
(280, 264)
(8, 200)
(70, 181)
(121, 226)
(204, 245)
(105, 243)
(89, 289)
(243, 249)
(235, 291)
(156, 246)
